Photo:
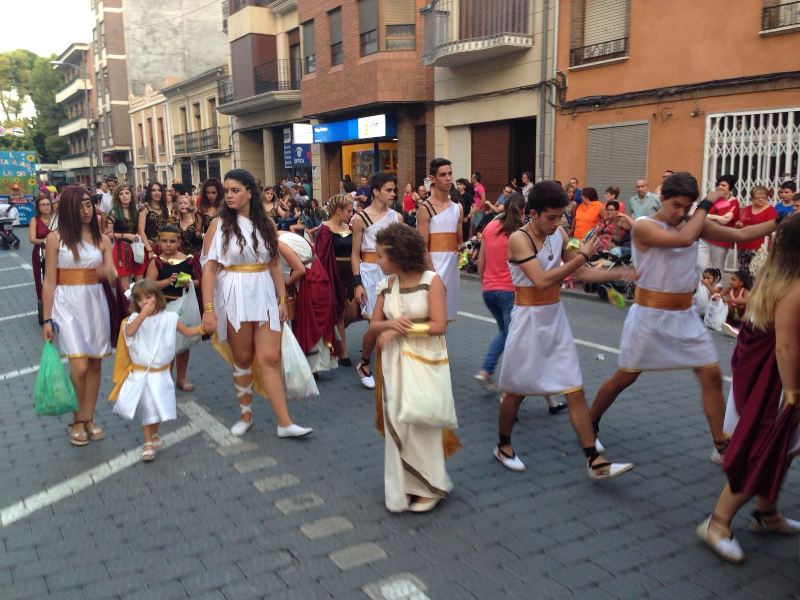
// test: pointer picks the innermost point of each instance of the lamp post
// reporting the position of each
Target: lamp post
(84, 75)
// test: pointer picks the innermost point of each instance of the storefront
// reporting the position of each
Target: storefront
(365, 145)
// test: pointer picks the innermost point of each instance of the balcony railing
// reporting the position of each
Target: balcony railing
(225, 90)
(276, 75)
(597, 52)
(146, 154)
(204, 140)
(782, 15)
(459, 32)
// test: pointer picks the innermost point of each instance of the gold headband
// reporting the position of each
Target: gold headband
(169, 234)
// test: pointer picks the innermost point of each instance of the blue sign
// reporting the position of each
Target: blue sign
(26, 212)
(377, 126)
(301, 155)
(287, 148)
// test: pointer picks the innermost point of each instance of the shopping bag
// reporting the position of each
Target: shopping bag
(53, 393)
(138, 250)
(701, 299)
(188, 311)
(716, 314)
(297, 377)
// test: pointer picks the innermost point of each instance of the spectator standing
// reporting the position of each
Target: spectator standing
(759, 211)
(480, 199)
(666, 174)
(108, 194)
(644, 203)
(785, 194)
(364, 193)
(725, 211)
(408, 199)
(587, 213)
(466, 195)
(573, 181)
(527, 184)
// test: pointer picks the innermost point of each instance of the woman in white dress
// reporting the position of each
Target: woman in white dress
(241, 275)
(415, 477)
(76, 309)
(439, 221)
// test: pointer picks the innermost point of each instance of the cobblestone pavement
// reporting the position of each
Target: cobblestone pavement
(217, 518)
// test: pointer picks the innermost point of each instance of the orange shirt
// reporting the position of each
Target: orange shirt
(587, 215)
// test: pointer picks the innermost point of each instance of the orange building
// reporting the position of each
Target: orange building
(709, 87)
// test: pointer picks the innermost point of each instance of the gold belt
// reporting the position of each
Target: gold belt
(443, 242)
(343, 258)
(248, 268)
(135, 367)
(533, 296)
(77, 277)
(663, 300)
(369, 257)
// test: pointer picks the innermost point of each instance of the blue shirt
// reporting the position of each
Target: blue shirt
(783, 209)
(365, 191)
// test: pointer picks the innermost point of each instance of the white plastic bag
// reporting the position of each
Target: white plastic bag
(701, 299)
(138, 250)
(189, 314)
(716, 314)
(297, 377)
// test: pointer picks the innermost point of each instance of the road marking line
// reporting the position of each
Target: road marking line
(220, 434)
(14, 286)
(578, 342)
(26, 314)
(403, 586)
(16, 268)
(10, 255)
(73, 485)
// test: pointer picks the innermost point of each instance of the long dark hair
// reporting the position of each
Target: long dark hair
(69, 220)
(116, 207)
(261, 222)
(205, 203)
(513, 215)
(148, 198)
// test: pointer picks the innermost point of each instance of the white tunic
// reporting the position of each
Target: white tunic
(371, 274)
(242, 297)
(540, 357)
(657, 339)
(80, 312)
(446, 263)
(150, 395)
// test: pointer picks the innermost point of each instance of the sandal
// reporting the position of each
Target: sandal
(185, 386)
(158, 443)
(367, 380)
(720, 538)
(78, 438)
(95, 433)
(718, 453)
(604, 469)
(148, 452)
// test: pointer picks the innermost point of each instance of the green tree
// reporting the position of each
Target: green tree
(43, 83)
(15, 69)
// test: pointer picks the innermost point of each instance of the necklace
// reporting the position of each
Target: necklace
(546, 243)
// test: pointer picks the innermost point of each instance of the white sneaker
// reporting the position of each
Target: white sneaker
(241, 427)
(598, 446)
(729, 330)
(293, 430)
(485, 379)
(727, 548)
(512, 462)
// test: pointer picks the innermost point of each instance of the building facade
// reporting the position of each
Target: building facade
(650, 86)
(200, 135)
(493, 65)
(77, 96)
(151, 138)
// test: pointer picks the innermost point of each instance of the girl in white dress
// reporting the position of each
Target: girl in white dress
(367, 273)
(76, 309)
(241, 276)
(439, 221)
(145, 388)
(540, 358)
(415, 477)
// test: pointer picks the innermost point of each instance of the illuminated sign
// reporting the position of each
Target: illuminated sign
(365, 128)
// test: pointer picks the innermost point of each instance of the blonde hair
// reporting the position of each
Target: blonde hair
(339, 201)
(143, 288)
(759, 189)
(780, 271)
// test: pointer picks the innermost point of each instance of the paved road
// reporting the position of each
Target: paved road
(212, 518)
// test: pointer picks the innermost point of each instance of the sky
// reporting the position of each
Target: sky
(45, 26)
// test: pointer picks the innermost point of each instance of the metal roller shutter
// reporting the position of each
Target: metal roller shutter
(490, 155)
(604, 21)
(308, 39)
(335, 25)
(367, 15)
(398, 12)
(617, 155)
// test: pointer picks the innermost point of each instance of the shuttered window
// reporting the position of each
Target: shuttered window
(599, 30)
(368, 26)
(398, 18)
(617, 155)
(335, 32)
(309, 52)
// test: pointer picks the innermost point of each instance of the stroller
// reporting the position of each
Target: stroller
(618, 256)
(8, 214)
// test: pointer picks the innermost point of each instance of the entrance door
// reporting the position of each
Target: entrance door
(202, 167)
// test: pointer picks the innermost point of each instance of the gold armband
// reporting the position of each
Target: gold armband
(282, 300)
(790, 397)
(419, 330)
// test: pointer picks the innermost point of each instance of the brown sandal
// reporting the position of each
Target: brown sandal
(95, 433)
(78, 438)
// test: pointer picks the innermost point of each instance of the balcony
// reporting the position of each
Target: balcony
(276, 84)
(73, 87)
(461, 32)
(78, 160)
(598, 52)
(225, 90)
(780, 18)
(277, 75)
(73, 126)
(205, 140)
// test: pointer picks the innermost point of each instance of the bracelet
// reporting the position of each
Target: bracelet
(585, 256)
(790, 397)
(282, 300)
(705, 205)
(419, 330)
(47, 322)
(208, 306)
(357, 280)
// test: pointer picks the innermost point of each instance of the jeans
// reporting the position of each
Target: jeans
(499, 304)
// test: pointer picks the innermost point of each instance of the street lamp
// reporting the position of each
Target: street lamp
(82, 66)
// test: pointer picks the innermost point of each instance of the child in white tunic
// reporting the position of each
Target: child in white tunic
(144, 386)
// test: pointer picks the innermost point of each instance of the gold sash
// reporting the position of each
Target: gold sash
(369, 257)
(77, 277)
(533, 296)
(443, 242)
(248, 268)
(663, 300)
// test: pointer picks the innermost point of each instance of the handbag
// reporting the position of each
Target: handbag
(138, 250)
(426, 392)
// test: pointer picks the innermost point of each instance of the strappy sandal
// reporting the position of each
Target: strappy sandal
(95, 433)
(185, 386)
(367, 379)
(604, 469)
(243, 391)
(158, 443)
(78, 438)
(148, 452)
(721, 542)
(718, 453)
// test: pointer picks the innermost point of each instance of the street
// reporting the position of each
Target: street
(223, 518)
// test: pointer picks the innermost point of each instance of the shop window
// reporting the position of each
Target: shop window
(368, 26)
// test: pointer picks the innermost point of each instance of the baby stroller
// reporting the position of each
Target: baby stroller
(8, 214)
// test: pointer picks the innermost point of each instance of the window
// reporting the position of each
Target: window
(398, 21)
(198, 122)
(599, 30)
(212, 111)
(309, 53)
(161, 136)
(780, 13)
(335, 31)
(400, 37)
(617, 155)
(184, 120)
(368, 26)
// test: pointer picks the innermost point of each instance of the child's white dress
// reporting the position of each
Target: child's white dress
(150, 394)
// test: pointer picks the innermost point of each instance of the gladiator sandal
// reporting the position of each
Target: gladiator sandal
(599, 468)
(718, 453)
(243, 391)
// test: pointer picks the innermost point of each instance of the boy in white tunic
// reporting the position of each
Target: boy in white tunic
(439, 221)
(663, 331)
(364, 262)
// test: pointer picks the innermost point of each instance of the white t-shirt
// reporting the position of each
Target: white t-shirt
(105, 203)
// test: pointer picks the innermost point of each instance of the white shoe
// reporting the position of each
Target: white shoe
(716, 457)
(368, 381)
(781, 525)
(598, 446)
(293, 430)
(485, 379)
(727, 548)
(509, 462)
(598, 470)
(729, 330)
(241, 427)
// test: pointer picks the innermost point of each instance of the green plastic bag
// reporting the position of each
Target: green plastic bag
(53, 393)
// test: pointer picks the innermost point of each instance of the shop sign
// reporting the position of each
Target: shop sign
(376, 126)
(287, 148)
(301, 155)
(302, 133)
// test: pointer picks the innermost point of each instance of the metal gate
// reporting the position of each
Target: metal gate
(756, 147)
